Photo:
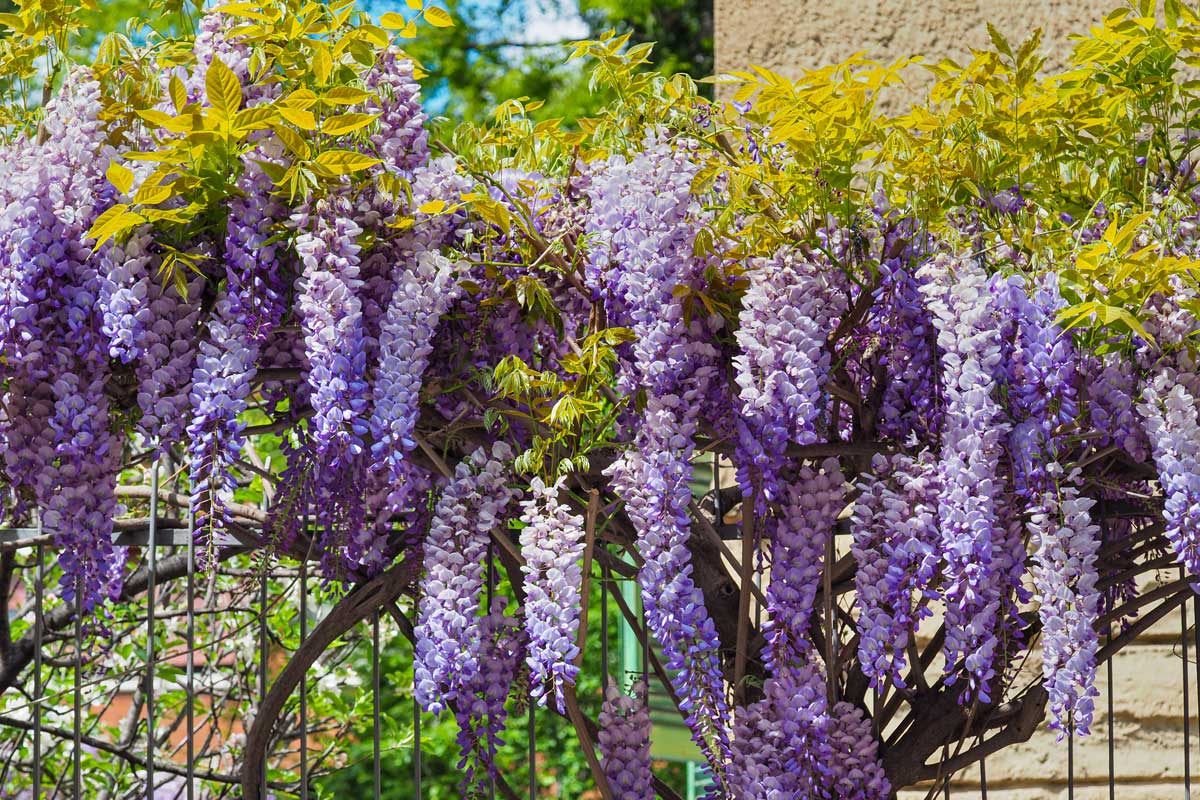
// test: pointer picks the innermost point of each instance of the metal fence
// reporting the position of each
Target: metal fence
(182, 748)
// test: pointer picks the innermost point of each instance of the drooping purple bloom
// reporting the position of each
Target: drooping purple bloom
(552, 546)
(624, 742)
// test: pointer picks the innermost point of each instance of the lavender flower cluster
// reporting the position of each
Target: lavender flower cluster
(448, 634)
(624, 742)
(552, 547)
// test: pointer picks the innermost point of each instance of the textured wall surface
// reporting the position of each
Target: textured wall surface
(791, 35)
(1147, 678)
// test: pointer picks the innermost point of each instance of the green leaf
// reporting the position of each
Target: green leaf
(344, 162)
(120, 177)
(346, 123)
(299, 117)
(438, 17)
(223, 88)
(345, 96)
(115, 220)
(392, 21)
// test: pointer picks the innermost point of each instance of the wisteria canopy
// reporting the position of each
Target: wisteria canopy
(943, 357)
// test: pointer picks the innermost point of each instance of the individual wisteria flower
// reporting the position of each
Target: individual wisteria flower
(1170, 417)
(624, 742)
(479, 704)
(1065, 545)
(799, 536)
(788, 312)
(653, 480)
(552, 546)
(972, 535)
(896, 549)
(447, 650)
(331, 314)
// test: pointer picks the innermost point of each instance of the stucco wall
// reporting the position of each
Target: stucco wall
(790, 36)
(1148, 714)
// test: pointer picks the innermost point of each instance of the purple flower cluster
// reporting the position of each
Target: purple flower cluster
(423, 291)
(479, 704)
(896, 549)
(800, 535)
(624, 740)
(1065, 545)
(1172, 423)
(1111, 388)
(644, 219)
(788, 312)
(552, 546)
(448, 634)
(56, 437)
(400, 140)
(790, 744)
(331, 314)
(972, 536)
(653, 480)
(221, 382)
(907, 344)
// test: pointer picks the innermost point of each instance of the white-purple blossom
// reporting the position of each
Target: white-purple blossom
(552, 546)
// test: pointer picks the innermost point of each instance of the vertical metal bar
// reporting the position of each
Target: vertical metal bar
(376, 733)
(490, 589)
(532, 751)
(262, 666)
(1187, 712)
(304, 681)
(1112, 753)
(604, 624)
(151, 567)
(38, 686)
(190, 675)
(983, 779)
(417, 749)
(77, 723)
(1071, 760)
(1196, 651)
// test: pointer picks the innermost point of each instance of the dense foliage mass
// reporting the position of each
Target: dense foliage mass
(959, 340)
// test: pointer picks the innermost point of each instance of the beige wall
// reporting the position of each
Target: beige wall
(791, 36)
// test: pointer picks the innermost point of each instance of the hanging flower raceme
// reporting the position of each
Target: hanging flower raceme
(1171, 421)
(624, 742)
(448, 635)
(972, 535)
(800, 536)
(788, 312)
(1065, 545)
(908, 348)
(552, 546)
(896, 551)
(479, 704)
(653, 481)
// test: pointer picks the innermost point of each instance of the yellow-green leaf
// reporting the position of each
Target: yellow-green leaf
(345, 96)
(152, 195)
(393, 21)
(291, 140)
(254, 119)
(432, 207)
(438, 17)
(346, 123)
(299, 117)
(178, 93)
(120, 177)
(344, 162)
(223, 88)
(113, 221)
(415, 5)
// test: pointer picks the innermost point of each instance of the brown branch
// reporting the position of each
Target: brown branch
(355, 607)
